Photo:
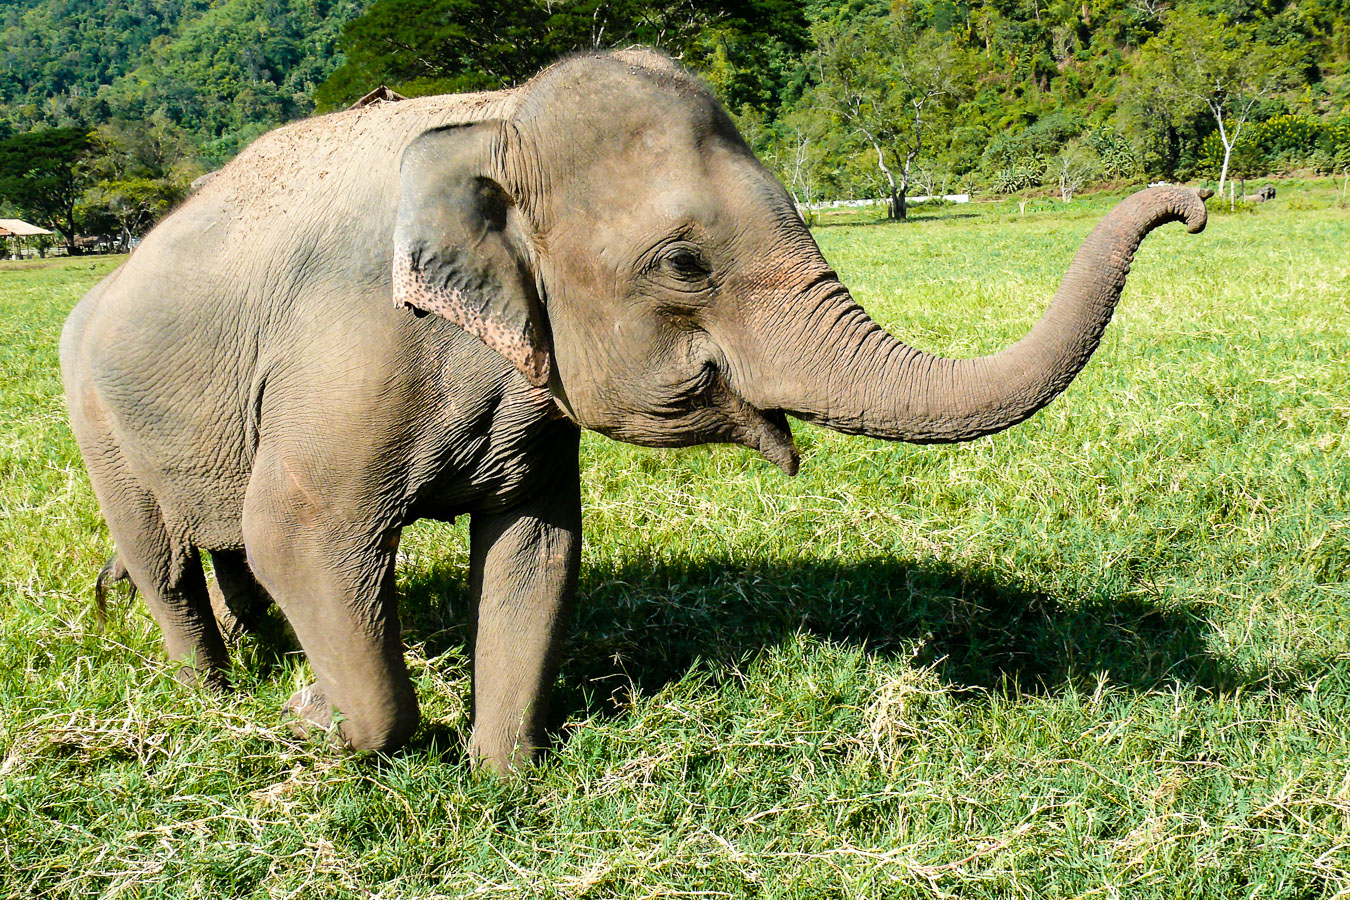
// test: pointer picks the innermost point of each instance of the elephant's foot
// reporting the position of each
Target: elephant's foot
(499, 757)
(311, 713)
(210, 677)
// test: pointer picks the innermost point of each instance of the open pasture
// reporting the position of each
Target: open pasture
(1103, 654)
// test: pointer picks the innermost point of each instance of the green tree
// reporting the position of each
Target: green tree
(132, 205)
(1199, 63)
(223, 70)
(41, 173)
(155, 148)
(1075, 166)
(434, 46)
(892, 86)
(797, 152)
(138, 171)
(418, 47)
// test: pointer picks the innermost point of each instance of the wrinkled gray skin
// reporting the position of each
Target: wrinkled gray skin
(411, 310)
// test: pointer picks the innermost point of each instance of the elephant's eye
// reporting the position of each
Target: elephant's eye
(685, 263)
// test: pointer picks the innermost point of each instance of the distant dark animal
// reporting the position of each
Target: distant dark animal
(1261, 196)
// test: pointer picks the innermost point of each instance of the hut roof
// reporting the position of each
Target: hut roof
(381, 94)
(19, 228)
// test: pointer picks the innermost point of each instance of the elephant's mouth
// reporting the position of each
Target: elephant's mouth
(721, 415)
(777, 445)
(764, 430)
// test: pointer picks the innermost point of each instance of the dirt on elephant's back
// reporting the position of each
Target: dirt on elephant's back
(326, 153)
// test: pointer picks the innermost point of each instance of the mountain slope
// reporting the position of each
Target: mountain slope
(224, 70)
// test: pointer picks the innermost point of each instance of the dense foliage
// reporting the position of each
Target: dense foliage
(1032, 95)
(39, 172)
(1063, 94)
(166, 90)
(225, 71)
(875, 98)
(744, 47)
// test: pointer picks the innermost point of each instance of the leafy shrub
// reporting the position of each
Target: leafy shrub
(1076, 165)
(965, 147)
(1333, 150)
(1051, 132)
(1118, 157)
(1039, 141)
(1288, 138)
(1241, 207)
(1018, 175)
(1285, 141)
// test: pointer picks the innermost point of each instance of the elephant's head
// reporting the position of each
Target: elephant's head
(618, 241)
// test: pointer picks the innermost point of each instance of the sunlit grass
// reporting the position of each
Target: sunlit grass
(1105, 653)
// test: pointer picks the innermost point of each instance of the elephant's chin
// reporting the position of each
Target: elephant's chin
(764, 430)
(776, 443)
(728, 418)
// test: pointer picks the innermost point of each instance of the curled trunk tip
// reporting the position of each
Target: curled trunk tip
(1159, 205)
(1194, 213)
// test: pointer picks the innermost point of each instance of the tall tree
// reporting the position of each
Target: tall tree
(41, 174)
(1198, 63)
(423, 47)
(892, 85)
(433, 46)
(131, 205)
(796, 151)
(138, 171)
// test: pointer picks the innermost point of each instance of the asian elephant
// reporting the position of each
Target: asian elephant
(412, 309)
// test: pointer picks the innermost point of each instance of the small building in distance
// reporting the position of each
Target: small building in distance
(381, 94)
(15, 235)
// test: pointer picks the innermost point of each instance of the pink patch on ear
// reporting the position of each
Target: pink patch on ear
(412, 290)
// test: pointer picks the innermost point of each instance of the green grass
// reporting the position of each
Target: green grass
(1103, 654)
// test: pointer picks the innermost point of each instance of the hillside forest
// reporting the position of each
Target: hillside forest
(109, 109)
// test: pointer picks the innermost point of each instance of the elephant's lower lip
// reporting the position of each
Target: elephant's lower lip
(765, 430)
(731, 419)
(775, 442)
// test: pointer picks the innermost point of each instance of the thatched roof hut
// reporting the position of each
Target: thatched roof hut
(19, 231)
(19, 228)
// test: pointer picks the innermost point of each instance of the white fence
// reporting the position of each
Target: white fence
(853, 204)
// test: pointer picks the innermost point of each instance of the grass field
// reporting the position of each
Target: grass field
(1103, 654)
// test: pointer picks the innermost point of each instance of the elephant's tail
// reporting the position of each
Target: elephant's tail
(113, 571)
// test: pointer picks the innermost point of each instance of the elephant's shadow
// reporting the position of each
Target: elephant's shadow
(645, 624)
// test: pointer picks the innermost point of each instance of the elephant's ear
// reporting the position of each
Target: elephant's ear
(460, 245)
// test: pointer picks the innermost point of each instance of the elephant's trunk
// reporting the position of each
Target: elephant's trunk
(845, 372)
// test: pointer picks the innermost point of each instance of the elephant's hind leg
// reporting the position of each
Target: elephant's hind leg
(238, 601)
(164, 567)
(167, 572)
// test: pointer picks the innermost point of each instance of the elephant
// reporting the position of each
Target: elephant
(412, 309)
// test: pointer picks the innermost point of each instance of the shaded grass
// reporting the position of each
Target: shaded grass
(1104, 653)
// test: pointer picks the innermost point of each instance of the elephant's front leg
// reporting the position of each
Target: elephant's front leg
(524, 573)
(329, 565)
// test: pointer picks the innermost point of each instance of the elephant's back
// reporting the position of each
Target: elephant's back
(338, 172)
(308, 201)
(300, 224)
